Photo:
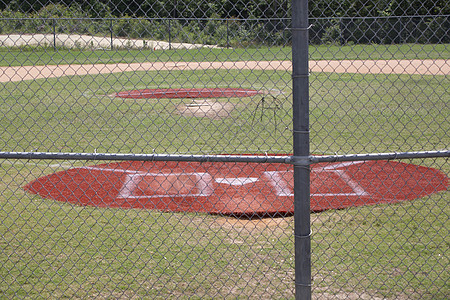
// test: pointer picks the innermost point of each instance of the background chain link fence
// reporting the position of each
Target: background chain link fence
(146, 149)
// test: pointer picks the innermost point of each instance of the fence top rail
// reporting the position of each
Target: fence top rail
(265, 158)
(257, 158)
(380, 156)
(376, 17)
(146, 18)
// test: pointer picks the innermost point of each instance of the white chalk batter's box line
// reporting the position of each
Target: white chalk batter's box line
(204, 182)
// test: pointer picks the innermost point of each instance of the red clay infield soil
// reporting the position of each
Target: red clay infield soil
(188, 93)
(236, 188)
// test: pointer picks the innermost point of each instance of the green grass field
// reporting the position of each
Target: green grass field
(52, 249)
(349, 114)
(29, 55)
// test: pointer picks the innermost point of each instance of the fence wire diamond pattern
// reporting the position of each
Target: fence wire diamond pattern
(149, 149)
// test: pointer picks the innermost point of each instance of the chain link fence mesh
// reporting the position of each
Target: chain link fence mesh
(146, 149)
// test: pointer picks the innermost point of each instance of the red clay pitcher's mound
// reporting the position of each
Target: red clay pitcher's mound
(236, 188)
(188, 93)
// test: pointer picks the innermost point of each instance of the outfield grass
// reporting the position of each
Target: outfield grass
(52, 249)
(401, 250)
(29, 55)
(350, 113)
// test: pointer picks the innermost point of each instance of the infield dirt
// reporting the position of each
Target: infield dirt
(413, 67)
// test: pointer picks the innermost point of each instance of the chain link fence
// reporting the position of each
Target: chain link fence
(157, 149)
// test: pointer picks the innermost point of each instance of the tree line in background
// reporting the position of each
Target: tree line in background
(241, 9)
(234, 22)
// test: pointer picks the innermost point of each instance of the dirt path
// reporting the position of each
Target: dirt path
(421, 67)
(7, 74)
(90, 42)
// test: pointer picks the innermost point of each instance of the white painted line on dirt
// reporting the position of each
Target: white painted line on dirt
(236, 181)
(334, 194)
(203, 182)
(131, 183)
(114, 170)
(278, 183)
(342, 164)
(351, 183)
(282, 188)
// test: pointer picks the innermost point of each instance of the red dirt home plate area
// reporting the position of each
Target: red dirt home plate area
(236, 188)
(188, 93)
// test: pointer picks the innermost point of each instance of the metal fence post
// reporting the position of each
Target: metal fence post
(111, 33)
(228, 35)
(300, 86)
(54, 34)
(170, 36)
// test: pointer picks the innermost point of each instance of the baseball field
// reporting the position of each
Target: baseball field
(66, 101)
